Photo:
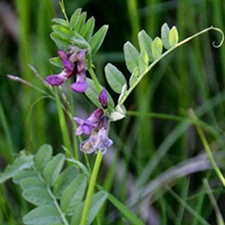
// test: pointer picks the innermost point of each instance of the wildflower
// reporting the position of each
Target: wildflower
(97, 125)
(91, 122)
(72, 62)
(99, 139)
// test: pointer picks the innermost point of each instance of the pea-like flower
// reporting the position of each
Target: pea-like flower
(91, 122)
(73, 62)
(97, 124)
(99, 139)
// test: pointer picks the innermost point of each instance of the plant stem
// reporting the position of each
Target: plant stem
(207, 148)
(91, 188)
(95, 79)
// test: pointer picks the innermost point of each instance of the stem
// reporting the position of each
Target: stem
(207, 148)
(91, 188)
(95, 79)
(63, 217)
(166, 53)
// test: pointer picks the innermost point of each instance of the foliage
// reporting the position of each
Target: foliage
(149, 166)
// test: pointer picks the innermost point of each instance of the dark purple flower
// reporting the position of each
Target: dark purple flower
(68, 66)
(103, 98)
(73, 61)
(86, 126)
(80, 85)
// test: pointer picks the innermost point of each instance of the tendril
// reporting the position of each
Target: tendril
(222, 40)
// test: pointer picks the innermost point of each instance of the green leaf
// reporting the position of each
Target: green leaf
(131, 56)
(53, 168)
(43, 156)
(37, 196)
(20, 163)
(61, 22)
(97, 39)
(23, 174)
(61, 44)
(97, 201)
(43, 215)
(165, 30)
(32, 182)
(63, 32)
(75, 18)
(157, 48)
(134, 78)
(80, 24)
(145, 43)
(173, 37)
(123, 94)
(64, 179)
(115, 78)
(93, 94)
(88, 29)
(72, 196)
(56, 61)
(119, 113)
(143, 61)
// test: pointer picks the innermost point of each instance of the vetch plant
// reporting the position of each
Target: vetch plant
(64, 193)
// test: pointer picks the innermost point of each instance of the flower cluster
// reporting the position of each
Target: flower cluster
(73, 62)
(97, 125)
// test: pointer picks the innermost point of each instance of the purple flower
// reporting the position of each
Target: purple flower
(103, 98)
(86, 126)
(97, 125)
(73, 61)
(57, 79)
(97, 141)
(80, 85)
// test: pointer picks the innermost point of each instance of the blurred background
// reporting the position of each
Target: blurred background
(155, 149)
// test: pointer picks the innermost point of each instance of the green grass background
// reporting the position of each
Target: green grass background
(155, 147)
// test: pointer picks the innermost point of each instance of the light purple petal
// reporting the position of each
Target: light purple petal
(55, 80)
(79, 87)
(97, 141)
(62, 54)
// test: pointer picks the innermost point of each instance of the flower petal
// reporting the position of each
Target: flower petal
(55, 80)
(62, 54)
(103, 98)
(79, 87)
(68, 66)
